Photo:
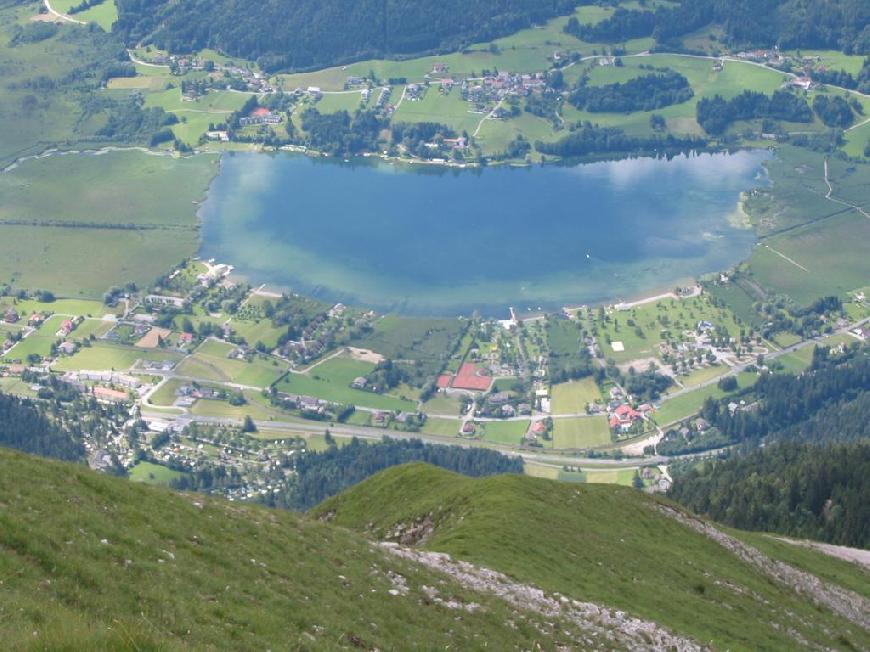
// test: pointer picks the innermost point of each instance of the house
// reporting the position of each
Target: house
(468, 428)
(623, 417)
(185, 338)
(539, 428)
(499, 398)
(11, 316)
(67, 348)
(702, 425)
(35, 320)
(65, 328)
(802, 82)
(524, 408)
(862, 333)
(359, 382)
(508, 410)
(379, 418)
(109, 395)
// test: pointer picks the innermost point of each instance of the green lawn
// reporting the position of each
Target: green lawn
(340, 392)
(444, 427)
(572, 397)
(103, 356)
(442, 404)
(151, 473)
(87, 194)
(504, 432)
(580, 432)
(258, 373)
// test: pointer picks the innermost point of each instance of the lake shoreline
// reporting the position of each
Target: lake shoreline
(619, 285)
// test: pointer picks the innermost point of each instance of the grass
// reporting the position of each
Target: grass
(572, 397)
(810, 246)
(340, 392)
(151, 473)
(443, 427)
(601, 543)
(258, 373)
(622, 477)
(703, 375)
(103, 356)
(442, 404)
(504, 432)
(38, 343)
(76, 216)
(685, 405)
(195, 115)
(189, 558)
(665, 316)
(580, 432)
(341, 370)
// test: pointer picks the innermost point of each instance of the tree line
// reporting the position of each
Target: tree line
(716, 113)
(797, 489)
(324, 474)
(588, 139)
(645, 93)
(308, 34)
(823, 24)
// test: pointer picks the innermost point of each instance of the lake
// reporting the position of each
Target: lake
(431, 240)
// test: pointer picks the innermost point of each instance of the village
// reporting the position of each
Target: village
(201, 371)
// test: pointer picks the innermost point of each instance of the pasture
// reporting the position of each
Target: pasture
(572, 397)
(580, 433)
(504, 432)
(151, 473)
(258, 373)
(129, 215)
(103, 356)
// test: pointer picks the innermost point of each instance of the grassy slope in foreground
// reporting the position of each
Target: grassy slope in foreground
(594, 542)
(92, 562)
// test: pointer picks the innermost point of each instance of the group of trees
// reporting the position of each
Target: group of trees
(318, 33)
(591, 139)
(830, 401)
(644, 93)
(417, 137)
(797, 489)
(716, 113)
(834, 111)
(324, 474)
(339, 133)
(843, 79)
(84, 5)
(25, 426)
(837, 24)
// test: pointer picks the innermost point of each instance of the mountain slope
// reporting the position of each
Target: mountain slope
(300, 34)
(614, 546)
(89, 561)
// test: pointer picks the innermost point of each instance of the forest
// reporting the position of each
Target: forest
(803, 406)
(307, 34)
(834, 24)
(716, 113)
(25, 426)
(646, 93)
(796, 489)
(324, 474)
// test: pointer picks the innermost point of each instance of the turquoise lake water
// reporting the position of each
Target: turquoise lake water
(441, 241)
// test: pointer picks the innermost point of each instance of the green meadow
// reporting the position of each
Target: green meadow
(580, 432)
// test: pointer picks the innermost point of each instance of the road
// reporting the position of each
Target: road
(63, 17)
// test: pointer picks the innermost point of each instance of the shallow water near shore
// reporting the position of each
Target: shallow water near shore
(431, 240)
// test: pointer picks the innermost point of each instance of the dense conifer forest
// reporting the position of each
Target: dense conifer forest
(305, 34)
(321, 475)
(802, 490)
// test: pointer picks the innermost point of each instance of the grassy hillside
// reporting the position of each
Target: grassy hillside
(92, 562)
(612, 545)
